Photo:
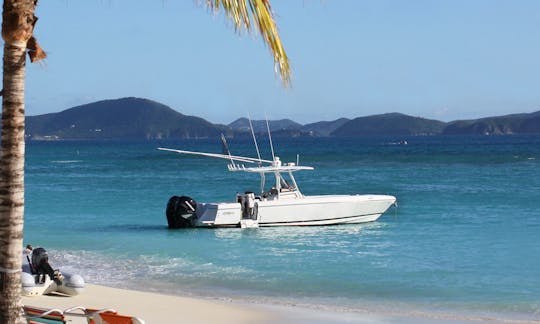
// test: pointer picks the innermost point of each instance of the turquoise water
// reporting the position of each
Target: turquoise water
(465, 238)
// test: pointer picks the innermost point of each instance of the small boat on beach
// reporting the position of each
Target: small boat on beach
(283, 204)
(39, 278)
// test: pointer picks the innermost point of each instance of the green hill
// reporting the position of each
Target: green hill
(259, 126)
(508, 124)
(324, 128)
(389, 124)
(125, 118)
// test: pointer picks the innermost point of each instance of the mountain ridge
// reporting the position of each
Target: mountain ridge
(259, 126)
(389, 124)
(120, 118)
(497, 125)
(140, 118)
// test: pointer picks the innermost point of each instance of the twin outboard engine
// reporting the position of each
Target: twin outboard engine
(181, 212)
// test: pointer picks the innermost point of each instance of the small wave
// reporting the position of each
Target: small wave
(66, 161)
(119, 271)
(159, 273)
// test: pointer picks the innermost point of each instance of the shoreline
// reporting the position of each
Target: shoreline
(154, 307)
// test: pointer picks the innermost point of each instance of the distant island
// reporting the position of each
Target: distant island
(138, 118)
(125, 118)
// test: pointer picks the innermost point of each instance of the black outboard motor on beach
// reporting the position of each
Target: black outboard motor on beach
(40, 263)
(181, 212)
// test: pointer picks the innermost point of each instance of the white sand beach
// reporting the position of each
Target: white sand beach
(154, 308)
(158, 308)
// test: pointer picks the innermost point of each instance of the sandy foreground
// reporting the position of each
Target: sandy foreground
(154, 308)
(158, 308)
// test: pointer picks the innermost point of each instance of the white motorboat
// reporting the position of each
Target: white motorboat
(282, 205)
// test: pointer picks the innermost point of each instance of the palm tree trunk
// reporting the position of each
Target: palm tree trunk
(12, 183)
(17, 27)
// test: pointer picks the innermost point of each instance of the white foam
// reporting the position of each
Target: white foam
(120, 271)
(67, 161)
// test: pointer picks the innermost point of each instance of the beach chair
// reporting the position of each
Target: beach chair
(109, 316)
(36, 315)
(93, 317)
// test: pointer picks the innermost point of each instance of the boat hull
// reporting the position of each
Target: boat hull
(304, 211)
(71, 285)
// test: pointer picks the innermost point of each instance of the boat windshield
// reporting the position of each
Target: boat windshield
(284, 183)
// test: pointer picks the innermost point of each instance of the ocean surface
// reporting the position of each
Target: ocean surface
(465, 238)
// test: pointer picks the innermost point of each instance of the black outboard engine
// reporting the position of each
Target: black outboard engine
(40, 262)
(181, 212)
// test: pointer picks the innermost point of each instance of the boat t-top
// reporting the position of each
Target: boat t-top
(282, 205)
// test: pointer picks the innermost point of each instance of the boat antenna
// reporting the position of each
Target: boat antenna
(254, 139)
(270, 138)
(226, 149)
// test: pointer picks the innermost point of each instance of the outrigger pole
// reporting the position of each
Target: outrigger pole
(270, 138)
(254, 139)
(258, 153)
(216, 155)
(226, 148)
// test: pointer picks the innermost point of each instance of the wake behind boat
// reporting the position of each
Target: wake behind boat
(281, 205)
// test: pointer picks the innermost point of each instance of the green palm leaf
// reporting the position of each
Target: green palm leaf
(248, 13)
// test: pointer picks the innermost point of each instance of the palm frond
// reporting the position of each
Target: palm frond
(248, 13)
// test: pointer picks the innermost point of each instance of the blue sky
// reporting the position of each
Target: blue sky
(445, 60)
